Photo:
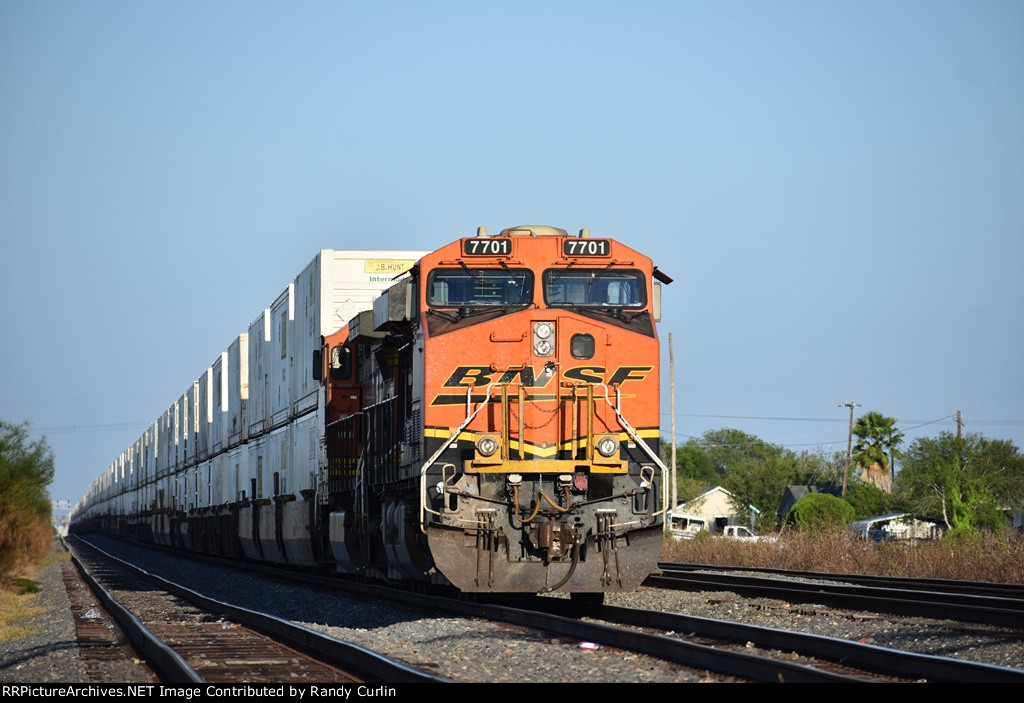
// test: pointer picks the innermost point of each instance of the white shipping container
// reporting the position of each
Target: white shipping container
(330, 291)
(254, 474)
(209, 493)
(189, 413)
(276, 462)
(174, 444)
(149, 448)
(282, 317)
(163, 452)
(131, 480)
(181, 417)
(236, 485)
(219, 404)
(237, 422)
(204, 415)
(303, 455)
(217, 468)
(259, 374)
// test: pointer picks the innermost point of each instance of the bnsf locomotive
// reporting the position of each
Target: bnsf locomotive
(485, 415)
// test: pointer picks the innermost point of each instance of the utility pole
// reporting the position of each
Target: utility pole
(959, 425)
(849, 441)
(672, 402)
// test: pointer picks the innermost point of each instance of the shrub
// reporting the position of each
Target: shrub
(26, 468)
(821, 512)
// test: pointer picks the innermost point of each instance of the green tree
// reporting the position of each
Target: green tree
(26, 469)
(877, 446)
(694, 462)
(821, 512)
(694, 469)
(869, 500)
(968, 482)
(820, 467)
(753, 470)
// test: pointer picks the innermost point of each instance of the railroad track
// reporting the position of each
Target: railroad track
(979, 588)
(826, 653)
(189, 638)
(998, 605)
(700, 645)
(105, 650)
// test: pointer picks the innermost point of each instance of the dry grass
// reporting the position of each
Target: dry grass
(25, 539)
(14, 608)
(17, 597)
(984, 559)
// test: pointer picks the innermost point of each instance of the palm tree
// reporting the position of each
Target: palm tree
(877, 446)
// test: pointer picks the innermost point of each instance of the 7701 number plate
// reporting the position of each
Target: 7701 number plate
(586, 247)
(479, 246)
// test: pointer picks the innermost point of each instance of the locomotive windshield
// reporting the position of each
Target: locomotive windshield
(468, 288)
(602, 288)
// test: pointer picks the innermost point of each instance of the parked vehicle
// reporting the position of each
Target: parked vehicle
(686, 526)
(744, 534)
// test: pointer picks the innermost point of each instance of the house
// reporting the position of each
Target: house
(715, 507)
(792, 495)
(897, 527)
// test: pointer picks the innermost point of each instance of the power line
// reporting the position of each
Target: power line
(835, 420)
(69, 429)
(804, 444)
(759, 417)
(930, 422)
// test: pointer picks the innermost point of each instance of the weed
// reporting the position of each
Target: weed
(27, 586)
(982, 559)
(13, 609)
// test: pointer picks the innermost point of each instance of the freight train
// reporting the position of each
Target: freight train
(484, 415)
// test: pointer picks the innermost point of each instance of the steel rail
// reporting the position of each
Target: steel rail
(733, 663)
(367, 664)
(986, 588)
(562, 616)
(162, 657)
(689, 654)
(942, 606)
(880, 659)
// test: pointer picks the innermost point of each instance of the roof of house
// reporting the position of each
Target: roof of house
(792, 494)
(866, 524)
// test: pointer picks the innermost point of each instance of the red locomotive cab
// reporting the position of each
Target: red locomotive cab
(541, 411)
(337, 371)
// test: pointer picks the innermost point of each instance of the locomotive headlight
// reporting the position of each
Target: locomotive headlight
(543, 338)
(606, 446)
(487, 445)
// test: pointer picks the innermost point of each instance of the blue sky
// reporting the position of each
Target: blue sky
(837, 189)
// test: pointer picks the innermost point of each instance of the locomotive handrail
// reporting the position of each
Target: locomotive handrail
(617, 408)
(470, 416)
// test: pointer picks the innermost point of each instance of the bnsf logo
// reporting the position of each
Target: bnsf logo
(479, 376)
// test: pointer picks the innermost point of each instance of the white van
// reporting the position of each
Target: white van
(686, 526)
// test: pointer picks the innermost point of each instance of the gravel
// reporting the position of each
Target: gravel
(945, 638)
(470, 650)
(49, 654)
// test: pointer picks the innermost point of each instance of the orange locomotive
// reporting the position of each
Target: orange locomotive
(494, 420)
